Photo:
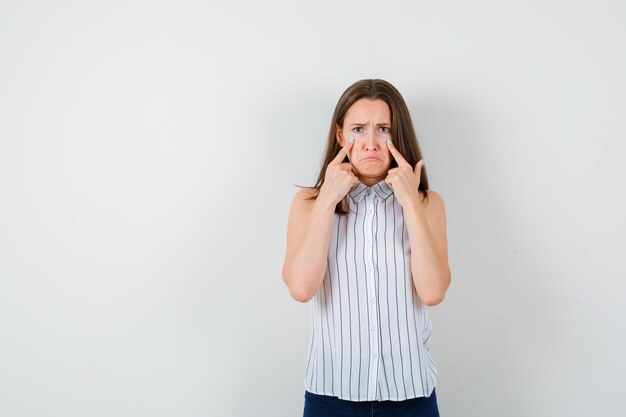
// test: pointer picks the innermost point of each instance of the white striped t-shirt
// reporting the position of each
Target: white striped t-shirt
(370, 333)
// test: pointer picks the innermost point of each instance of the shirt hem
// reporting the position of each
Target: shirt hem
(382, 399)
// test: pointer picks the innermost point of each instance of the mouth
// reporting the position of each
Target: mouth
(370, 158)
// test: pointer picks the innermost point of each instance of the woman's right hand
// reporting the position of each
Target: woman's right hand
(339, 178)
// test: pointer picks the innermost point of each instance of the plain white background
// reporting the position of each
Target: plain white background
(147, 155)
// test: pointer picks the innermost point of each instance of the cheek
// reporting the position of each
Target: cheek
(348, 134)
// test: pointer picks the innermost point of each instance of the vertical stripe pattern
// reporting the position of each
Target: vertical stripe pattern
(370, 333)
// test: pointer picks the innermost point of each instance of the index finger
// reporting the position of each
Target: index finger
(342, 154)
(396, 154)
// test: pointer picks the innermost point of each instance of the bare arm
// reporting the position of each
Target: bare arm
(309, 228)
(426, 226)
(308, 236)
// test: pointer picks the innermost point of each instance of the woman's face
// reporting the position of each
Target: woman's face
(369, 121)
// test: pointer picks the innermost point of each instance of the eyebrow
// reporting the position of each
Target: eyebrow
(362, 124)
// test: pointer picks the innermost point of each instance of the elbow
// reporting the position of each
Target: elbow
(432, 300)
(432, 296)
(300, 296)
(295, 291)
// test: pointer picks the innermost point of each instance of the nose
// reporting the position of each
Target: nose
(369, 140)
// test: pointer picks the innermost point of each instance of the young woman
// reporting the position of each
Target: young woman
(368, 245)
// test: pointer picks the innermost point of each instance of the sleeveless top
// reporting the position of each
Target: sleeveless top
(370, 333)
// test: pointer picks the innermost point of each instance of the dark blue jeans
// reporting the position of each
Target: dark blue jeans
(326, 406)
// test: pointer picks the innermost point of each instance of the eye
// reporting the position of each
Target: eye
(387, 129)
(357, 128)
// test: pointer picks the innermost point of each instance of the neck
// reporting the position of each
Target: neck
(369, 181)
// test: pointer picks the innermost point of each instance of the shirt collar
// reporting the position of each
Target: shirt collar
(381, 190)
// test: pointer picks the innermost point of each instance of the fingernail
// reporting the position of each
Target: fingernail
(351, 139)
(388, 140)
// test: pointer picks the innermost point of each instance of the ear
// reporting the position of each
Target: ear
(339, 135)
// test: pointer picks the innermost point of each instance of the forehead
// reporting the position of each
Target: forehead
(364, 110)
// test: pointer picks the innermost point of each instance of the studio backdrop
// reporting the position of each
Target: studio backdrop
(148, 156)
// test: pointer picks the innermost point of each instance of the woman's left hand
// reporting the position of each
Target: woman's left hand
(404, 179)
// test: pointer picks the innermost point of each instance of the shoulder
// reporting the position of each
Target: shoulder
(305, 195)
(433, 198)
(434, 205)
(307, 192)
(304, 199)
(301, 208)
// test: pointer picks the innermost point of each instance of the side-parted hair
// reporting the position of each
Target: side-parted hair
(402, 131)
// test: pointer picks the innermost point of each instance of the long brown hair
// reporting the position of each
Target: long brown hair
(402, 131)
